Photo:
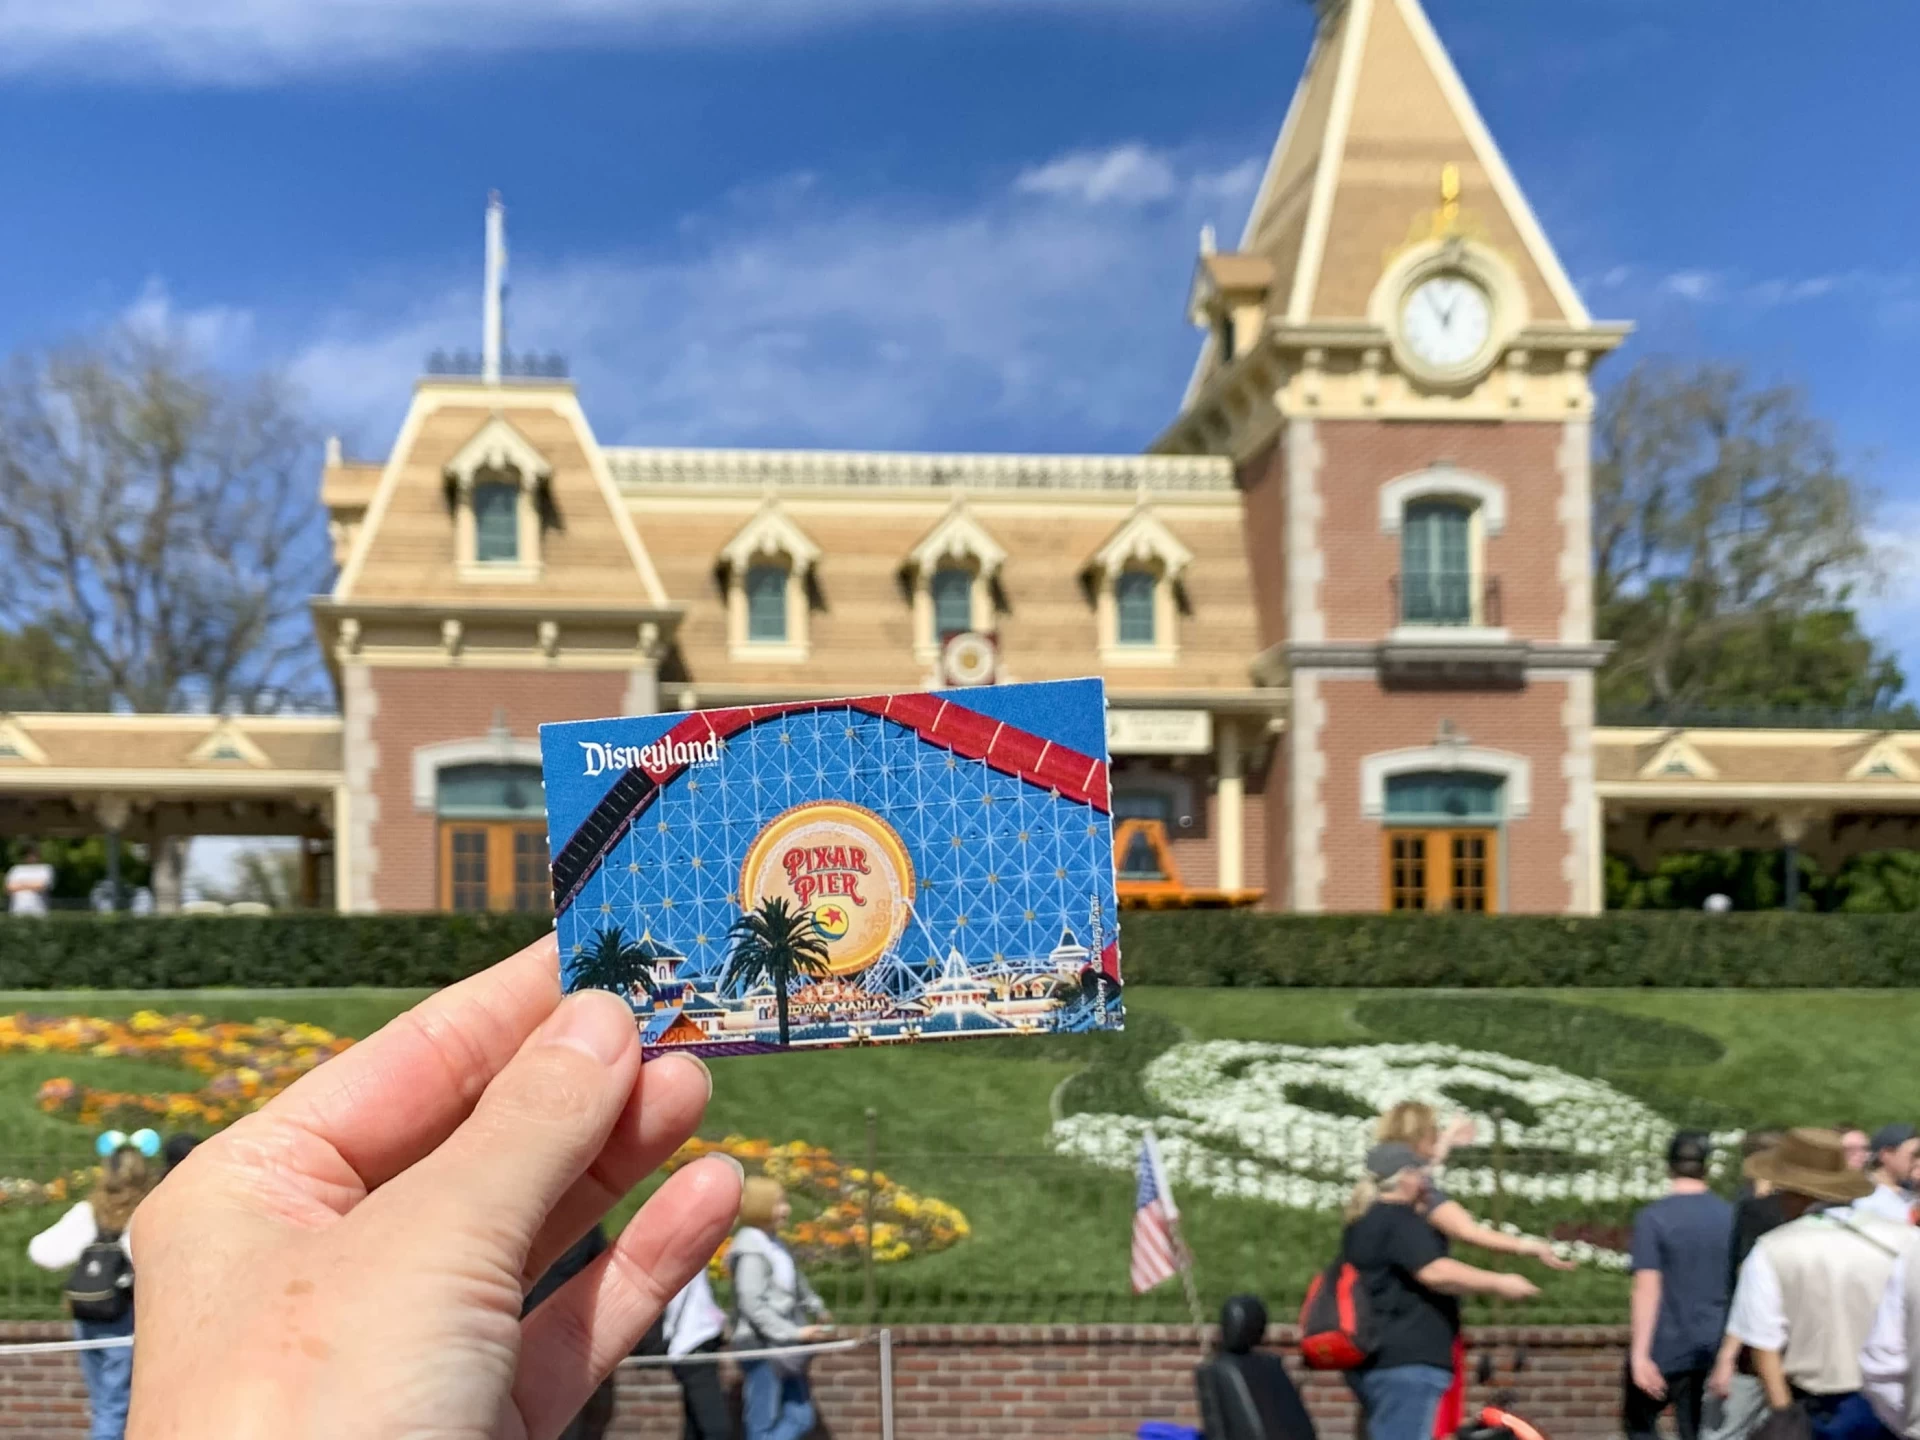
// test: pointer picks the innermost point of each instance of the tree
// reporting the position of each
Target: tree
(1728, 543)
(262, 876)
(775, 942)
(616, 963)
(158, 525)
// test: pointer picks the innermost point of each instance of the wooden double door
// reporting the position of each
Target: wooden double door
(1456, 869)
(494, 865)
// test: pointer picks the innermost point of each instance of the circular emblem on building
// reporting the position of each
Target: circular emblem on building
(842, 865)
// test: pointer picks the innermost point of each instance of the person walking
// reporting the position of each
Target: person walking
(28, 884)
(1414, 1123)
(597, 1414)
(90, 1243)
(1809, 1293)
(1890, 1160)
(1735, 1402)
(1679, 1307)
(696, 1325)
(1412, 1286)
(775, 1306)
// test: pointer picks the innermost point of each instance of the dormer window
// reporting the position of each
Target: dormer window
(496, 521)
(952, 600)
(951, 575)
(1133, 601)
(767, 603)
(765, 569)
(494, 487)
(1135, 583)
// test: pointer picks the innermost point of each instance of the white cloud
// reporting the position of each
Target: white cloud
(1692, 284)
(793, 320)
(1126, 175)
(254, 42)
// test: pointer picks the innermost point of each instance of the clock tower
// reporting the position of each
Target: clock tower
(1399, 368)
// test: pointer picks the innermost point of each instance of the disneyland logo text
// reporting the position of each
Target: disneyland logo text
(660, 755)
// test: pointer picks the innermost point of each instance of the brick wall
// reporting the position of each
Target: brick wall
(425, 707)
(1364, 719)
(1007, 1382)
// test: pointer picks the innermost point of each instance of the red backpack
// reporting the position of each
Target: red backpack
(1336, 1322)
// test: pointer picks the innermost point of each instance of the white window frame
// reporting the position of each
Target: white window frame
(498, 453)
(1143, 543)
(959, 541)
(1485, 501)
(1515, 770)
(498, 748)
(770, 536)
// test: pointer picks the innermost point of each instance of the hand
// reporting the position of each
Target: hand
(1463, 1131)
(1720, 1380)
(1516, 1287)
(1549, 1257)
(811, 1333)
(351, 1258)
(1647, 1377)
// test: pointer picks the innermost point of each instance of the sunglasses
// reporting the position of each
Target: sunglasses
(147, 1142)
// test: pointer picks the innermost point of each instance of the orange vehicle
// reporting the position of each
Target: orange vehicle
(1149, 878)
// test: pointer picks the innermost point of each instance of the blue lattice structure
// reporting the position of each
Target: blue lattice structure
(1000, 807)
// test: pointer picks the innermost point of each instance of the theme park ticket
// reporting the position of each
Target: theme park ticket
(841, 872)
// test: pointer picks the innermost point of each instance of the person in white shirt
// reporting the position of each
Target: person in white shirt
(695, 1324)
(1809, 1292)
(1894, 1148)
(28, 884)
(1890, 1360)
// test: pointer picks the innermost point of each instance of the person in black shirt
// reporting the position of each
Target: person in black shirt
(1413, 1287)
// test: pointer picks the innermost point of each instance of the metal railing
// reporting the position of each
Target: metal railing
(1755, 717)
(528, 365)
(1445, 598)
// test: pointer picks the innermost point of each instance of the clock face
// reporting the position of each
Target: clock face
(1446, 321)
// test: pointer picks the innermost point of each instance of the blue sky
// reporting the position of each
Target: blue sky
(919, 223)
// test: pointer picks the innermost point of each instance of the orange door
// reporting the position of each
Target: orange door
(493, 865)
(1442, 870)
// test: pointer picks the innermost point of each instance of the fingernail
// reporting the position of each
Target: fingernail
(705, 1073)
(594, 1023)
(738, 1168)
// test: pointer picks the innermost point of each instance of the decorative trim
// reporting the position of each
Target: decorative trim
(1678, 757)
(1306, 561)
(1143, 539)
(958, 536)
(1583, 865)
(1326, 177)
(16, 746)
(360, 760)
(1307, 768)
(1376, 769)
(1444, 481)
(637, 469)
(498, 748)
(1889, 756)
(770, 532)
(1576, 532)
(497, 446)
(229, 735)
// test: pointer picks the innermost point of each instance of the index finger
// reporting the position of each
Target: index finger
(398, 1094)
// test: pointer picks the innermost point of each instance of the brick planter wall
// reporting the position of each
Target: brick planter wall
(1014, 1381)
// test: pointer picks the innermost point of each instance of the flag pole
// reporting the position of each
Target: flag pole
(1183, 1257)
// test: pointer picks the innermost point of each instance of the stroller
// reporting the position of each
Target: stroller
(1498, 1420)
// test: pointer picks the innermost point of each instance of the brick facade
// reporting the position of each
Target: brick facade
(412, 708)
(1003, 1382)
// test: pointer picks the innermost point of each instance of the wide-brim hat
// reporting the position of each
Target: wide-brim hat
(1811, 1163)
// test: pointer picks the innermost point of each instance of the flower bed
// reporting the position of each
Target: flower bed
(905, 1225)
(245, 1065)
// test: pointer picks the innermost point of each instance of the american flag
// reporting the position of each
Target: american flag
(1154, 1255)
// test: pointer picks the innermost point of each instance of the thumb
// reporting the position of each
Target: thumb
(541, 1122)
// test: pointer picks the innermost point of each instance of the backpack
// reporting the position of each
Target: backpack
(1336, 1322)
(100, 1288)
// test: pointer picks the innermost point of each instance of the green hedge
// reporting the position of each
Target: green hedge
(1213, 948)
(1630, 948)
(124, 952)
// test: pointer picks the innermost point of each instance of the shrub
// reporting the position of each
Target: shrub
(1639, 948)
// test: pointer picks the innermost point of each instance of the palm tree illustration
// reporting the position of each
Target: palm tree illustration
(777, 943)
(616, 963)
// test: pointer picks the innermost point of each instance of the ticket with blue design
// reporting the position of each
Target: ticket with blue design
(869, 871)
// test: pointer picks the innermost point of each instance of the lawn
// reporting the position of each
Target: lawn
(971, 1123)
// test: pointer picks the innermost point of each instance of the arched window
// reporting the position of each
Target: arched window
(1436, 564)
(496, 522)
(1462, 795)
(493, 837)
(766, 588)
(952, 588)
(1133, 596)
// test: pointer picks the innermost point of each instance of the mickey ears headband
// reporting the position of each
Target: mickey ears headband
(147, 1142)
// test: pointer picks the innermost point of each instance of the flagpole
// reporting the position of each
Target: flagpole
(1183, 1257)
